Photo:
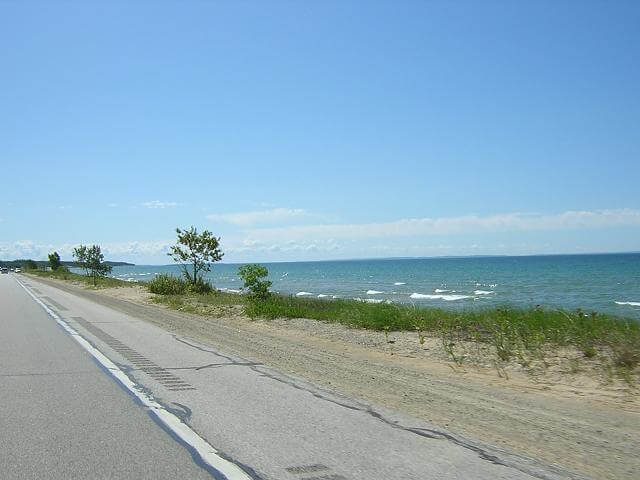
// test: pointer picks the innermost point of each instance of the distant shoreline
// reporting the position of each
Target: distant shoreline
(369, 259)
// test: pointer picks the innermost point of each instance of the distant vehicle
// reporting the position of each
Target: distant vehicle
(5, 270)
(17, 270)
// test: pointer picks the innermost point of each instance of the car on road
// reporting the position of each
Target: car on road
(5, 270)
(17, 270)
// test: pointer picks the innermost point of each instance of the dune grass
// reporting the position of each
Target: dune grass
(508, 329)
(101, 282)
(512, 332)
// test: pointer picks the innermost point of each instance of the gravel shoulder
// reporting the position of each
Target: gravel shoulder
(573, 420)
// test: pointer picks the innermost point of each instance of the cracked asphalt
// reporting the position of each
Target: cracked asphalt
(272, 425)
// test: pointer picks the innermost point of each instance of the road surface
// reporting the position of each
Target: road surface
(91, 392)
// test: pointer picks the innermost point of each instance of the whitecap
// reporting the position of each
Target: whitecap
(440, 290)
(303, 294)
(399, 283)
(633, 304)
(482, 292)
(374, 292)
(368, 300)
(446, 298)
(322, 295)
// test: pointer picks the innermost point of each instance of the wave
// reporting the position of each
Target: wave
(303, 294)
(483, 292)
(369, 300)
(440, 290)
(399, 283)
(374, 292)
(490, 285)
(633, 304)
(446, 298)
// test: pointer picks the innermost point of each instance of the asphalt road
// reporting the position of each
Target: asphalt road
(66, 415)
(62, 417)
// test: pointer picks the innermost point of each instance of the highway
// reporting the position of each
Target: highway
(91, 392)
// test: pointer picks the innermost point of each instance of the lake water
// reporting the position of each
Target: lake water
(605, 283)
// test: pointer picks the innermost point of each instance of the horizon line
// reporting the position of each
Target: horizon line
(361, 259)
(435, 257)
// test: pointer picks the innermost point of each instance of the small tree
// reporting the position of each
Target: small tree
(80, 254)
(92, 260)
(54, 261)
(195, 252)
(95, 263)
(252, 276)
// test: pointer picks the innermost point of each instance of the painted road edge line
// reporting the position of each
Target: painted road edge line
(207, 452)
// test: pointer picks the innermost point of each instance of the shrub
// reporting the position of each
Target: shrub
(199, 286)
(253, 276)
(165, 284)
(54, 261)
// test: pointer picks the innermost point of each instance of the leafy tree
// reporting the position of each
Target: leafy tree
(95, 263)
(92, 260)
(195, 252)
(54, 261)
(253, 276)
(30, 265)
(80, 254)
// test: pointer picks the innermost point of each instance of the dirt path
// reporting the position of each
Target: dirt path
(580, 426)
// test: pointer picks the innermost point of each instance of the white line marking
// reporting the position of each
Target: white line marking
(207, 453)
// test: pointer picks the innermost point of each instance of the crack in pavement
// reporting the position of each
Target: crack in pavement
(423, 432)
(202, 367)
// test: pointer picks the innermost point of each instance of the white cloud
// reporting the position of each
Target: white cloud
(111, 251)
(159, 204)
(424, 227)
(246, 219)
(405, 237)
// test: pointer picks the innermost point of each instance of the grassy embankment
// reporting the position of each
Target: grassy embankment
(87, 281)
(524, 335)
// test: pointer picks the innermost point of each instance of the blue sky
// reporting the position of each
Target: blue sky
(320, 130)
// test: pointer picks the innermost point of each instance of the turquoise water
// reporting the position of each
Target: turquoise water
(605, 283)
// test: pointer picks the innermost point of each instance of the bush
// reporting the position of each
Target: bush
(252, 276)
(201, 286)
(165, 284)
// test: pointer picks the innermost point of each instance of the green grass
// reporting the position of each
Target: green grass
(509, 330)
(213, 304)
(514, 333)
(101, 282)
